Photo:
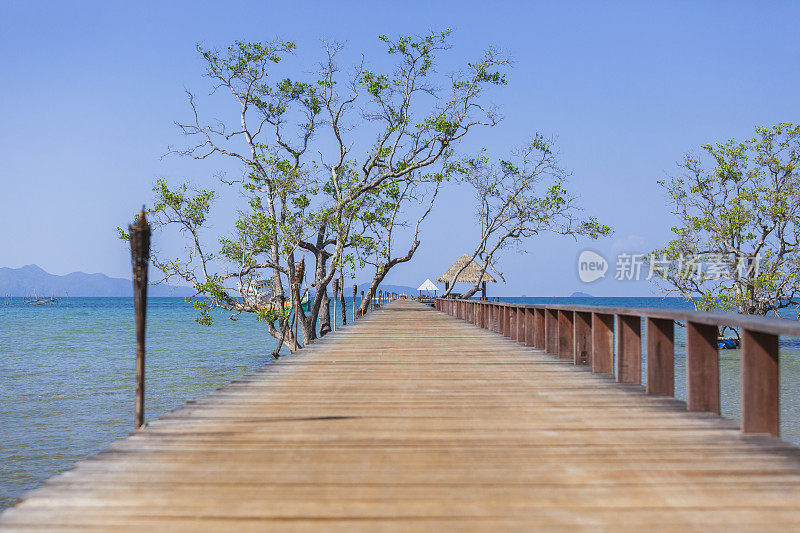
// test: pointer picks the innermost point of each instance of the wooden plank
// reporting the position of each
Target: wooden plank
(629, 349)
(583, 338)
(539, 329)
(760, 383)
(702, 368)
(602, 343)
(660, 340)
(529, 327)
(551, 331)
(414, 420)
(565, 335)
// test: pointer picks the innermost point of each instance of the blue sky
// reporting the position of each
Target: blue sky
(90, 92)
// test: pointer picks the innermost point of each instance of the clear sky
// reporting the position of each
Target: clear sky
(89, 93)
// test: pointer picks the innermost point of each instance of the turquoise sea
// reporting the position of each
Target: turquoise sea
(67, 374)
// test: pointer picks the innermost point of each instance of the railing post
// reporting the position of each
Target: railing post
(602, 343)
(702, 368)
(629, 349)
(760, 383)
(539, 334)
(506, 321)
(660, 340)
(500, 315)
(582, 338)
(551, 331)
(520, 337)
(566, 324)
(529, 327)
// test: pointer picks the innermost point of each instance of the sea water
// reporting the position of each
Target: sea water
(67, 374)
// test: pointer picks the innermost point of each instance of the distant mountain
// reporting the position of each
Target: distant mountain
(31, 279)
(579, 294)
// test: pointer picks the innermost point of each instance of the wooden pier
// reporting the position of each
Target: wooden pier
(414, 420)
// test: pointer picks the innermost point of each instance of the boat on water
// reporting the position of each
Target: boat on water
(304, 303)
(258, 292)
(727, 343)
(35, 300)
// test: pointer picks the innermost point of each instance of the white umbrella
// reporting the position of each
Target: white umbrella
(428, 286)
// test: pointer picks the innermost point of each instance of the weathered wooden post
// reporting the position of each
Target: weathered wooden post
(342, 301)
(539, 337)
(702, 367)
(362, 300)
(335, 296)
(629, 349)
(140, 257)
(660, 339)
(760, 383)
(551, 331)
(566, 335)
(602, 343)
(582, 339)
(299, 276)
(355, 290)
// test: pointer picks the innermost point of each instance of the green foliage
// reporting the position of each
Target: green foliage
(308, 183)
(738, 206)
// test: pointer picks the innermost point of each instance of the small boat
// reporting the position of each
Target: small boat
(304, 303)
(727, 343)
(258, 291)
(35, 300)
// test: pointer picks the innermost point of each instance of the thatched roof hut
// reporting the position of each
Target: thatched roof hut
(468, 275)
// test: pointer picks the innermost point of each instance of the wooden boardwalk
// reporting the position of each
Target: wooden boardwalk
(415, 420)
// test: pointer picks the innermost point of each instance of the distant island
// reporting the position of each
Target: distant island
(579, 294)
(33, 280)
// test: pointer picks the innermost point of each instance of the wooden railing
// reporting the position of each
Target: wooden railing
(609, 340)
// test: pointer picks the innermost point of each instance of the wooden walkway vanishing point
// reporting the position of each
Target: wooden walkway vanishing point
(414, 420)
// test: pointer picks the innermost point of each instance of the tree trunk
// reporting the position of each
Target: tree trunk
(325, 315)
(380, 274)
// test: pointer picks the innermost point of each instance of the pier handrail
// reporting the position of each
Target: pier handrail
(609, 340)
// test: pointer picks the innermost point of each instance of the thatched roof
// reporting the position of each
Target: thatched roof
(468, 275)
